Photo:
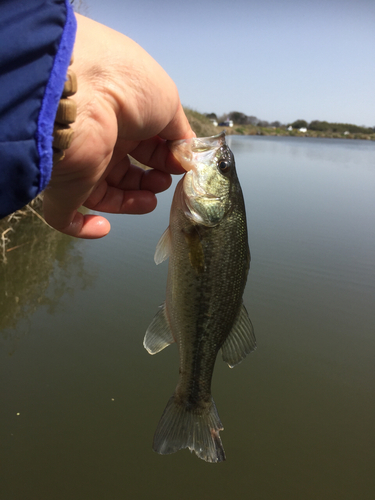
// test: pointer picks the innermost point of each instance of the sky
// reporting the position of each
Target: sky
(274, 59)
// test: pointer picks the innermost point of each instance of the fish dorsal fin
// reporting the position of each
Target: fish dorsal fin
(163, 248)
(159, 334)
(241, 340)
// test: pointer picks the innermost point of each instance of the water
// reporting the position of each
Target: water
(81, 398)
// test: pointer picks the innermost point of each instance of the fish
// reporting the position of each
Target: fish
(209, 260)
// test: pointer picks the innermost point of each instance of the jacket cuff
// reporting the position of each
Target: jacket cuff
(52, 97)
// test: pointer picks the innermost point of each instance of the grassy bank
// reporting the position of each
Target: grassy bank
(202, 126)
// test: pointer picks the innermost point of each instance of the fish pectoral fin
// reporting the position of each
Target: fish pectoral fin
(241, 340)
(158, 334)
(163, 248)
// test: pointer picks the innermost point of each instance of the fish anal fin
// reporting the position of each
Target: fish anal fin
(163, 248)
(199, 431)
(158, 334)
(241, 340)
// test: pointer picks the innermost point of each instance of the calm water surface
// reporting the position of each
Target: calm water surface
(80, 397)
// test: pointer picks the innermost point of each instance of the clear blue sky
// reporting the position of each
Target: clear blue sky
(275, 59)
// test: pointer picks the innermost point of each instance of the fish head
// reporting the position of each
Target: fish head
(209, 179)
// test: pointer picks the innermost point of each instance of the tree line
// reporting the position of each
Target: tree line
(323, 126)
(239, 118)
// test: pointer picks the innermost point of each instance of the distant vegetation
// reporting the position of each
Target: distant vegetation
(339, 127)
(243, 124)
(201, 124)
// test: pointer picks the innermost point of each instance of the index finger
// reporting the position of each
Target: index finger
(155, 153)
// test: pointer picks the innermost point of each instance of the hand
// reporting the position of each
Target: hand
(127, 104)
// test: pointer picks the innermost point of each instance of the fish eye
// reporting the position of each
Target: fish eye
(224, 166)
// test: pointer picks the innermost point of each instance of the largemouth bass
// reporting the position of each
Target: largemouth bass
(209, 260)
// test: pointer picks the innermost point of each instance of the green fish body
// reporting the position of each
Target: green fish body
(209, 260)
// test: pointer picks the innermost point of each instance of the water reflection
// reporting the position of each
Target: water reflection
(38, 267)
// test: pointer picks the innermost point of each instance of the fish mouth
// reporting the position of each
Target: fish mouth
(195, 150)
(198, 156)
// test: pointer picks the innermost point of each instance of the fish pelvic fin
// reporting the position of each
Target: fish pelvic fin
(181, 428)
(158, 334)
(241, 340)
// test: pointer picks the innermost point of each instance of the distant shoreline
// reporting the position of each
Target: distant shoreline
(203, 127)
(269, 131)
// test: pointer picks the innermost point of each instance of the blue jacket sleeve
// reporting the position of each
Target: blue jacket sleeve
(36, 44)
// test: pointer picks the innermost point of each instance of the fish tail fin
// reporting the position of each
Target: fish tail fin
(181, 428)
